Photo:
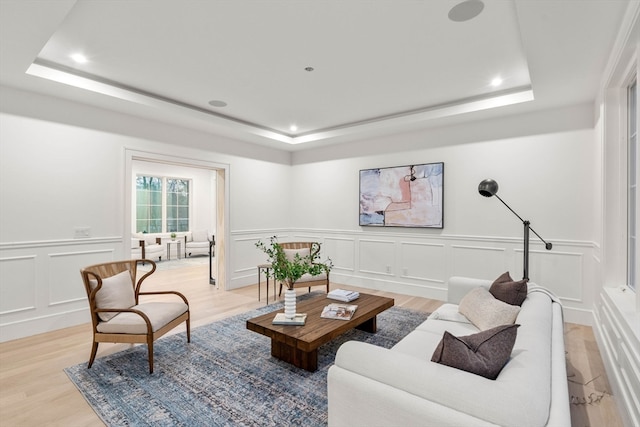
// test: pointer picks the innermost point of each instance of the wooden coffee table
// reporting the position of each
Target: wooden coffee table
(298, 345)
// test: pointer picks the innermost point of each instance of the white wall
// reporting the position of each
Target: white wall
(59, 176)
(548, 178)
(69, 171)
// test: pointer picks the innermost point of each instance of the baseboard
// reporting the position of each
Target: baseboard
(40, 325)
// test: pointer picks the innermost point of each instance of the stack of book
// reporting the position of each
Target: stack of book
(343, 295)
(298, 320)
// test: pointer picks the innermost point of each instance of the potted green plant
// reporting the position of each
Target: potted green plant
(173, 236)
(288, 270)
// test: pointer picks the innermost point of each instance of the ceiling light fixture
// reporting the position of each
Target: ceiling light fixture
(217, 103)
(496, 82)
(293, 128)
(309, 69)
(79, 58)
(466, 10)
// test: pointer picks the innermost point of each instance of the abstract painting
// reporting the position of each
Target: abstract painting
(402, 196)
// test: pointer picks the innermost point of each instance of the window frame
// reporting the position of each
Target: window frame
(164, 221)
(632, 178)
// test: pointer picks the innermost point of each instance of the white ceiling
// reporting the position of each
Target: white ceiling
(386, 65)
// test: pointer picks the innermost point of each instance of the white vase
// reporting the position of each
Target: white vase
(290, 303)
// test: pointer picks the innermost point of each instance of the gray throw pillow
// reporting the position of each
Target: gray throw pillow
(484, 353)
(508, 290)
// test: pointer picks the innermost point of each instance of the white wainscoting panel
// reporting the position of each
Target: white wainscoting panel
(423, 261)
(616, 328)
(341, 251)
(469, 260)
(377, 256)
(415, 263)
(558, 271)
(64, 280)
(40, 284)
(18, 284)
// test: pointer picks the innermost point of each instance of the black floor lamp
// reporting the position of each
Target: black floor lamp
(488, 188)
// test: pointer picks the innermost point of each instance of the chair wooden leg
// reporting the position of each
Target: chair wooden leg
(189, 328)
(94, 351)
(150, 349)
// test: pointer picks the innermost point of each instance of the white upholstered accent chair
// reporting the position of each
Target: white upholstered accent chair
(305, 249)
(147, 247)
(199, 242)
(118, 315)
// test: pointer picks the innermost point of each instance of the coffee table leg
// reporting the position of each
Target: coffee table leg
(298, 358)
(369, 326)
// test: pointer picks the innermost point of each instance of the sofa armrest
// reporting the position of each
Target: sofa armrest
(458, 287)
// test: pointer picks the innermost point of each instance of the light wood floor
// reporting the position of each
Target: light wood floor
(34, 391)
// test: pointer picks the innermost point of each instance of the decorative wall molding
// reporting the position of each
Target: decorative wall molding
(618, 339)
(41, 285)
(421, 263)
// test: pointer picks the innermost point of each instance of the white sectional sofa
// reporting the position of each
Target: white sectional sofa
(401, 386)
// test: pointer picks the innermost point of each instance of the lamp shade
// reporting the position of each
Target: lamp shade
(488, 188)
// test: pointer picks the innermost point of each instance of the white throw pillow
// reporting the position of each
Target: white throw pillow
(116, 292)
(485, 311)
(450, 313)
(291, 253)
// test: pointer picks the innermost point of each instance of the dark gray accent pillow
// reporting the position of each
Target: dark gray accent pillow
(507, 290)
(484, 353)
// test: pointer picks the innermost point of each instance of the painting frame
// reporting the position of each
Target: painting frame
(409, 196)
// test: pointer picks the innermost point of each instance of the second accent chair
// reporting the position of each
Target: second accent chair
(198, 242)
(118, 315)
(147, 247)
(304, 249)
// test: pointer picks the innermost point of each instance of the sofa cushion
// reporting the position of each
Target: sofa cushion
(507, 290)
(484, 353)
(116, 292)
(486, 312)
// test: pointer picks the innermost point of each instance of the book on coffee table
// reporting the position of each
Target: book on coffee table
(339, 311)
(299, 319)
(343, 295)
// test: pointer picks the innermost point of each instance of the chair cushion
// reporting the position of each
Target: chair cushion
(291, 253)
(200, 245)
(507, 290)
(486, 312)
(484, 353)
(116, 292)
(200, 236)
(159, 313)
(309, 278)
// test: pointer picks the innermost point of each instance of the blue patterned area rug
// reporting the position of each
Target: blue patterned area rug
(225, 377)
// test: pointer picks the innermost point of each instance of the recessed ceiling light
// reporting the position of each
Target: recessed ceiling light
(496, 82)
(293, 128)
(79, 58)
(466, 10)
(217, 103)
(309, 69)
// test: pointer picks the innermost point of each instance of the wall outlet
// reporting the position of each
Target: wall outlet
(81, 232)
(388, 269)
